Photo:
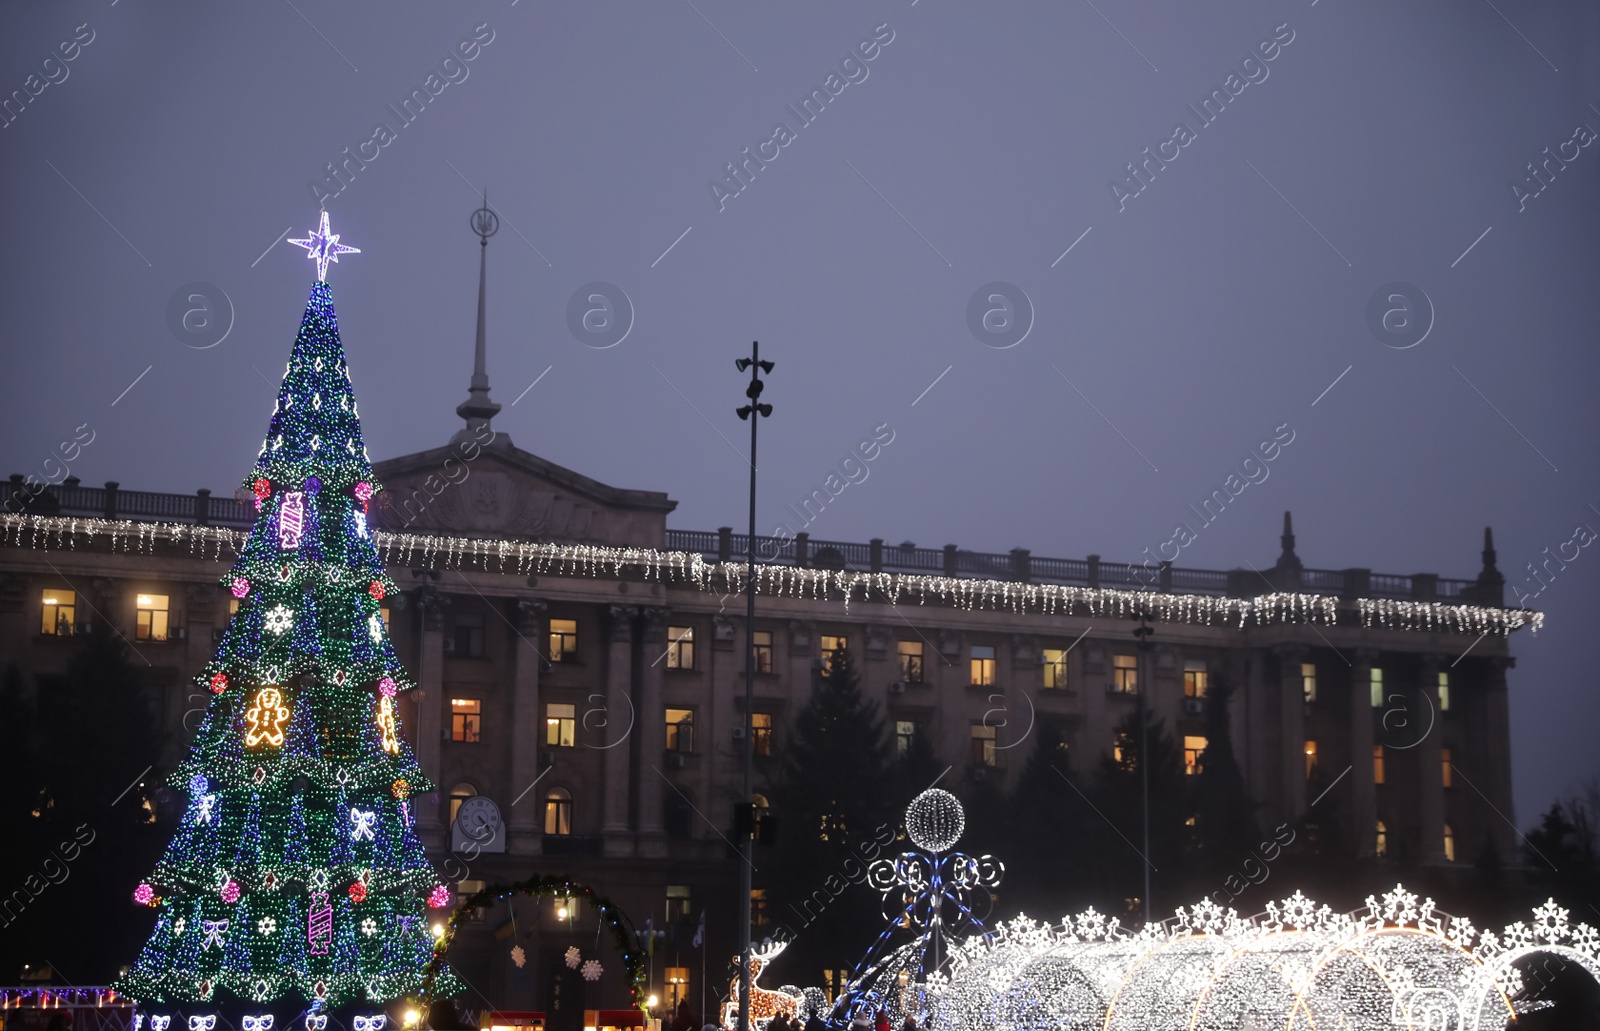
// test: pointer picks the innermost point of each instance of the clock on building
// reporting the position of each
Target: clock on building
(478, 823)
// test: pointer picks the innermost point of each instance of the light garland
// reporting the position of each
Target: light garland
(524, 558)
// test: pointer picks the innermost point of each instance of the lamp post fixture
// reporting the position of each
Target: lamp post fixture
(1142, 634)
(752, 413)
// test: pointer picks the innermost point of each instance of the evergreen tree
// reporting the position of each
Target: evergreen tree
(1116, 831)
(1225, 827)
(833, 811)
(296, 872)
(1046, 816)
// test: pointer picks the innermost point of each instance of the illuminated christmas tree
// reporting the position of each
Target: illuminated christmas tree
(296, 873)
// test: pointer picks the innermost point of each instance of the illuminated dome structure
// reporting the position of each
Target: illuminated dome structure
(1398, 963)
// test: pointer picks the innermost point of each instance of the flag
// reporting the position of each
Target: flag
(700, 932)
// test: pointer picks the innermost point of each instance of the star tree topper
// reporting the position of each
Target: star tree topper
(323, 247)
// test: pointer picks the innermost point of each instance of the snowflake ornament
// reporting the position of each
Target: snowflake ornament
(518, 956)
(279, 618)
(592, 970)
(573, 957)
(369, 927)
(266, 925)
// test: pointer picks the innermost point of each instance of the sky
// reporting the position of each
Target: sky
(1361, 178)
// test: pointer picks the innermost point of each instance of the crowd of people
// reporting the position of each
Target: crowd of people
(684, 1020)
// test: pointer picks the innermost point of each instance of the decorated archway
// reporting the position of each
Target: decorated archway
(611, 916)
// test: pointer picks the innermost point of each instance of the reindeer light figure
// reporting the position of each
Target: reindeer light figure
(764, 1004)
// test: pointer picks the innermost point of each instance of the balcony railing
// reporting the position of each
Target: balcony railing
(70, 498)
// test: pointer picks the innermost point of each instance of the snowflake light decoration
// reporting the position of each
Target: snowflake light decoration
(518, 956)
(375, 628)
(279, 618)
(573, 957)
(266, 925)
(592, 970)
(369, 926)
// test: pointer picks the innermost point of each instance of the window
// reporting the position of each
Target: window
(383, 614)
(1055, 668)
(151, 618)
(1196, 678)
(983, 745)
(680, 647)
(680, 730)
(831, 644)
(1311, 759)
(1125, 674)
(1121, 744)
(761, 733)
(563, 640)
(558, 811)
(1308, 681)
(677, 988)
(758, 908)
(1194, 746)
(1376, 686)
(1377, 764)
(910, 661)
(468, 639)
(1444, 691)
(1449, 843)
(59, 616)
(763, 644)
(1446, 771)
(982, 665)
(677, 903)
(233, 607)
(1381, 843)
(560, 725)
(468, 888)
(458, 794)
(464, 716)
(905, 732)
(834, 981)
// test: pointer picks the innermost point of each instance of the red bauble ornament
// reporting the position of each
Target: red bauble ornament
(358, 892)
(376, 590)
(262, 488)
(219, 683)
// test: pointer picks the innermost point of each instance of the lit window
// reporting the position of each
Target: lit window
(558, 812)
(468, 638)
(1055, 668)
(831, 644)
(563, 640)
(983, 745)
(233, 607)
(151, 616)
(60, 612)
(1376, 686)
(1120, 746)
(1194, 746)
(1308, 681)
(459, 794)
(677, 988)
(910, 661)
(465, 889)
(677, 902)
(1444, 691)
(982, 665)
(1381, 843)
(560, 725)
(761, 733)
(680, 730)
(758, 907)
(1449, 843)
(1377, 764)
(1311, 759)
(763, 643)
(383, 614)
(1125, 674)
(834, 981)
(464, 716)
(680, 647)
(905, 732)
(1195, 678)
(1446, 770)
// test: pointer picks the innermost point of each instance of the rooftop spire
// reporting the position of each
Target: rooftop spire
(1288, 559)
(478, 409)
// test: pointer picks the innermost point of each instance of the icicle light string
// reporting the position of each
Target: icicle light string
(525, 558)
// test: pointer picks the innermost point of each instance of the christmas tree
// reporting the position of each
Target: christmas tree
(296, 873)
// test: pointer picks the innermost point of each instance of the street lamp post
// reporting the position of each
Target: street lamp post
(1144, 683)
(753, 413)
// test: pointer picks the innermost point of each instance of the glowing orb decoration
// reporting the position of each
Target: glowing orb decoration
(241, 587)
(439, 897)
(363, 491)
(230, 892)
(935, 820)
(313, 484)
(376, 590)
(358, 892)
(400, 788)
(261, 488)
(219, 683)
(387, 688)
(144, 894)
